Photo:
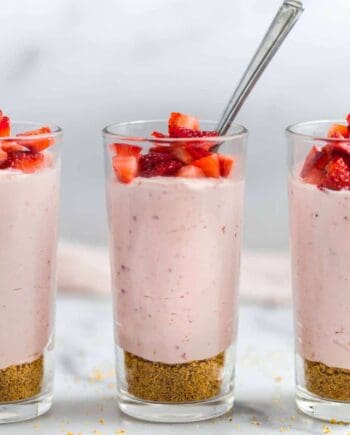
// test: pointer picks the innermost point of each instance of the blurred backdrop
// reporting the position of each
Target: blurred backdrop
(83, 64)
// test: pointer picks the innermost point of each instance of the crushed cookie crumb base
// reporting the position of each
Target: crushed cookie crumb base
(174, 383)
(20, 382)
(327, 382)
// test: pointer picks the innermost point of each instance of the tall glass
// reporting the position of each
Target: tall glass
(320, 244)
(28, 239)
(175, 246)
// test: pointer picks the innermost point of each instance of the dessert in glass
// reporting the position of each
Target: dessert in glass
(29, 189)
(319, 195)
(175, 205)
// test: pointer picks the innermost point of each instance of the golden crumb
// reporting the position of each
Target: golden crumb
(70, 433)
(327, 382)
(176, 383)
(101, 420)
(284, 428)
(326, 429)
(96, 432)
(278, 379)
(254, 421)
(120, 432)
(19, 382)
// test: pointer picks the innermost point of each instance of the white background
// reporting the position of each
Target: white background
(83, 64)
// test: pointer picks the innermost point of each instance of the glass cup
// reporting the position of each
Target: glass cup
(175, 246)
(28, 241)
(320, 244)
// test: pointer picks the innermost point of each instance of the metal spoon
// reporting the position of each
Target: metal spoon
(282, 24)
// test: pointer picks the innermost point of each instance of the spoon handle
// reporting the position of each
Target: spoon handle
(283, 22)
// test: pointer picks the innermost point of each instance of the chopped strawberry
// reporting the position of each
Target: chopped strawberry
(158, 164)
(339, 131)
(125, 167)
(165, 149)
(11, 145)
(226, 165)
(182, 154)
(3, 157)
(337, 175)
(180, 120)
(37, 144)
(209, 165)
(315, 159)
(26, 161)
(159, 135)
(191, 171)
(126, 150)
(198, 151)
(191, 133)
(4, 126)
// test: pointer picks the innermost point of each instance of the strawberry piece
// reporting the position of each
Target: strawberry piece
(198, 151)
(191, 171)
(5, 126)
(159, 135)
(183, 155)
(10, 145)
(125, 150)
(339, 131)
(27, 161)
(315, 159)
(180, 120)
(158, 164)
(182, 132)
(3, 157)
(209, 165)
(226, 165)
(36, 145)
(337, 175)
(125, 167)
(165, 149)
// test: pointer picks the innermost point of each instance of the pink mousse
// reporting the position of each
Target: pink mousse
(175, 253)
(320, 241)
(28, 228)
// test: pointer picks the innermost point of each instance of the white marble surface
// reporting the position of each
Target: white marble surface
(85, 397)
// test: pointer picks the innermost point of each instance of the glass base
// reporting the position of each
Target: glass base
(175, 413)
(322, 409)
(13, 412)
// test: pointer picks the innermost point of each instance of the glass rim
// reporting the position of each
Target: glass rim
(293, 130)
(106, 131)
(56, 131)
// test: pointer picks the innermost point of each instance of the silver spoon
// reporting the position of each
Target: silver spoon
(282, 24)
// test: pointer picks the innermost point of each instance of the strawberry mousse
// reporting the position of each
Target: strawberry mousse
(320, 241)
(175, 236)
(29, 180)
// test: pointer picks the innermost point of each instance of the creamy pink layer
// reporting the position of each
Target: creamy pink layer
(320, 241)
(28, 234)
(175, 250)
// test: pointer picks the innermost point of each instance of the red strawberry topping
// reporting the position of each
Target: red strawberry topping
(181, 132)
(27, 162)
(159, 135)
(165, 149)
(158, 164)
(337, 175)
(10, 145)
(4, 125)
(37, 145)
(209, 165)
(126, 150)
(180, 120)
(226, 165)
(3, 157)
(125, 167)
(191, 171)
(339, 131)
